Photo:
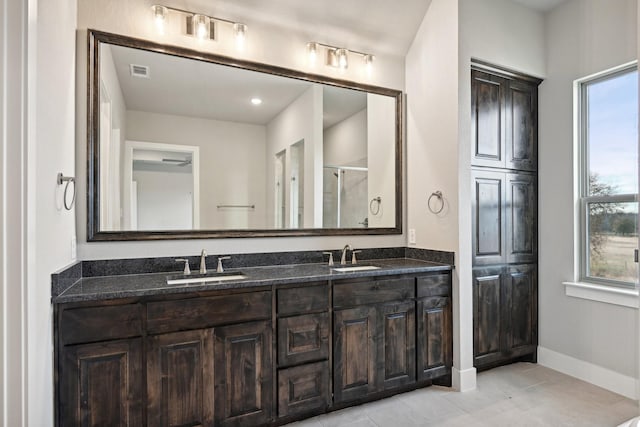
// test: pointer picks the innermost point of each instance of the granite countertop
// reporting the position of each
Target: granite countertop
(101, 288)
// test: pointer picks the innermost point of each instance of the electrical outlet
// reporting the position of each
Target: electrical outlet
(412, 236)
(74, 248)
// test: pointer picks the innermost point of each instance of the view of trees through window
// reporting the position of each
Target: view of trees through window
(610, 111)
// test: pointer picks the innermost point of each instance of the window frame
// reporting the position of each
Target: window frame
(584, 199)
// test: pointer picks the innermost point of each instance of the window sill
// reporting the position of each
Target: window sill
(603, 293)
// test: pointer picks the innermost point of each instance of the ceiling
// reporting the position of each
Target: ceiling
(218, 92)
(380, 26)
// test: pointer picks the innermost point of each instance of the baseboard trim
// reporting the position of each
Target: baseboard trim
(464, 380)
(594, 374)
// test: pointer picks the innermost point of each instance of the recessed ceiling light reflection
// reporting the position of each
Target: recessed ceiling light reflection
(256, 101)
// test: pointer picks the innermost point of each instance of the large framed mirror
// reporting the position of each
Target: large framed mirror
(186, 144)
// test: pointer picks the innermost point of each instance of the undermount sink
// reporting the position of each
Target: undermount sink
(204, 279)
(355, 268)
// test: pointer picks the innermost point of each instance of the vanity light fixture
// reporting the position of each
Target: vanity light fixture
(199, 25)
(338, 56)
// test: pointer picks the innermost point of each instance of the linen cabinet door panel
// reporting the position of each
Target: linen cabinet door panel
(521, 287)
(522, 224)
(435, 339)
(488, 324)
(398, 344)
(488, 205)
(522, 129)
(243, 374)
(355, 353)
(488, 125)
(180, 375)
(101, 384)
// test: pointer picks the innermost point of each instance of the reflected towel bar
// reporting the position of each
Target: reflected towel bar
(237, 206)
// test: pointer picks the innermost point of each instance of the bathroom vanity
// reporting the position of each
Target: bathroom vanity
(287, 342)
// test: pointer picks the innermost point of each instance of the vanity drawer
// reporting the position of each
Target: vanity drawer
(434, 285)
(90, 324)
(196, 313)
(303, 339)
(303, 389)
(303, 299)
(372, 291)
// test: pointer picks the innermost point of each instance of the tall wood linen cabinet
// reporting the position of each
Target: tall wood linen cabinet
(504, 202)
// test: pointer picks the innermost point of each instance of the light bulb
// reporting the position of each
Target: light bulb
(159, 14)
(312, 51)
(256, 101)
(240, 30)
(200, 26)
(343, 61)
(368, 62)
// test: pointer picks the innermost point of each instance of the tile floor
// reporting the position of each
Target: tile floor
(521, 394)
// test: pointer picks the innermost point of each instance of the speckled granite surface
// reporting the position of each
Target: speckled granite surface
(111, 279)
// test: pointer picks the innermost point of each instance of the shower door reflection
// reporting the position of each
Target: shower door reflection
(345, 197)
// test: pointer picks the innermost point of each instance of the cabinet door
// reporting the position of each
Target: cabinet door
(435, 337)
(488, 325)
(521, 289)
(522, 126)
(101, 384)
(180, 379)
(488, 207)
(355, 353)
(488, 124)
(522, 211)
(243, 374)
(398, 344)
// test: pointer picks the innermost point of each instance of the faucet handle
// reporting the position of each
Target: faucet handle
(353, 256)
(220, 259)
(187, 270)
(330, 257)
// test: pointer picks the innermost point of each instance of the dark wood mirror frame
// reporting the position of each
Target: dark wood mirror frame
(93, 162)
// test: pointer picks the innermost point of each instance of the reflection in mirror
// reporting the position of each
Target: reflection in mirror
(188, 144)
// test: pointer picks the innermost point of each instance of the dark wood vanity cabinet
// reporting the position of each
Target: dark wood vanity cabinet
(380, 343)
(100, 365)
(256, 357)
(303, 350)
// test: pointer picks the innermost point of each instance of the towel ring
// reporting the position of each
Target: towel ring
(375, 199)
(437, 194)
(69, 180)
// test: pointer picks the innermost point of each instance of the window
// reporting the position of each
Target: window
(608, 141)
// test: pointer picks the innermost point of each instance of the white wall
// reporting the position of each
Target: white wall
(13, 222)
(168, 190)
(345, 143)
(229, 173)
(51, 150)
(381, 160)
(583, 37)
(432, 149)
(134, 19)
(300, 121)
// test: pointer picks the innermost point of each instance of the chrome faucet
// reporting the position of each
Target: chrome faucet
(203, 262)
(343, 259)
